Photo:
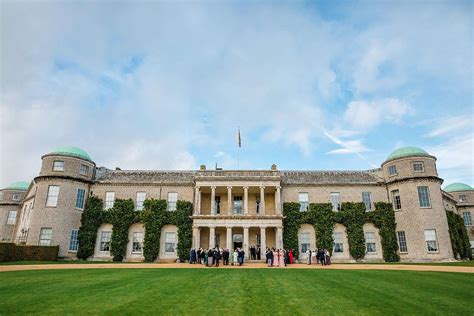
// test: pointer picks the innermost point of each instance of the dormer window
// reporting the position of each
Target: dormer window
(58, 165)
(16, 197)
(392, 170)
(418, 166)
(462, 198)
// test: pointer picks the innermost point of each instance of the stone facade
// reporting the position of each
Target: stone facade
(233, 208)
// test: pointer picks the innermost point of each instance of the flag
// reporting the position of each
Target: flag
(239, 140)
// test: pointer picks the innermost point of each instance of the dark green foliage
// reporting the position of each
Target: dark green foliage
(92, 218)
(459, 236)
(321, 216)
(122, 215)
(12, 252)
(353, 216)
(291, 224)
(384, 219)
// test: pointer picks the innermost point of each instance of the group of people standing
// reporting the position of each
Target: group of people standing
(278, 257)
(211, 257)
(321, 256)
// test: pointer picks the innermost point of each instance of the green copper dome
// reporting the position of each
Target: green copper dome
(72, 152)
(455, 187)
(407, 152)
(21, 186)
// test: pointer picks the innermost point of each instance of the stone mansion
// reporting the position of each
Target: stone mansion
(237, 208)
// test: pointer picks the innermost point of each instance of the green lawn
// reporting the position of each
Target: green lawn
(235, 291)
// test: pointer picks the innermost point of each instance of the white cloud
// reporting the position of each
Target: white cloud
(451, 125)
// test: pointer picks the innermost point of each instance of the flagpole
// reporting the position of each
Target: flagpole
(239, 144)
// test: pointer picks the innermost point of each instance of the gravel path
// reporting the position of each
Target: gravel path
(399, 267)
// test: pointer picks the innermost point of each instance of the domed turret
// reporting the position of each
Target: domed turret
(68, 161)
(18, 186)
(404, 152)
(458, 187)
(71, 151)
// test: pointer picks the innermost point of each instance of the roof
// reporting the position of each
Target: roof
(407, 152)
(71, 151)
(21, 186)
(455, 187)
(331, 177)
(144, 176)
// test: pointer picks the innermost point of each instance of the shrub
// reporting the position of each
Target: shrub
(13, 252)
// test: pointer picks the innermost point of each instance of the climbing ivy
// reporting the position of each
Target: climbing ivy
(353, 216)
(123, 215)
(459, 236)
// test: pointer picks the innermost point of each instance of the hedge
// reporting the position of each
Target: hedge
(13, 252)
(353, 216)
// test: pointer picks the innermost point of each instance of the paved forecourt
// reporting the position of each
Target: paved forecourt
(397, 267)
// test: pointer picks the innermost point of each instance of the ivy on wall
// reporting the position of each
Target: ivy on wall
(459, 237)
(353, 216)
(123, 215)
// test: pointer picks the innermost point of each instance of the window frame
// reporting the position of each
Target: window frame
(16, 197)
(402, 235)
(138, 241)
(336, 248)
(306, 241)
(462, 198)
(304, 205)
(107, 202)
(172, 205)
(10, 217)
(395, 202)
(84, 169)
(1, 195)
(105, 242)
(336, 207)
(418, 163)
(74, 241)
(420, 197)
(372, 242)
(83, 198)
(42, 237)
(62, 166)
(140, 206)
(217, 204)
(237, 205)
(369, 194)
(56, 197)
(467, 218)
(427, 245)
(392, 170)
(168, 242)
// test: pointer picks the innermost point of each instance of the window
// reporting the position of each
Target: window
(418, 166)
(172, 200)
(80, 198)
(338, 247)
(11, 219)
(105, 240)
(257, 204)
(465, 215)
(402, 241)
(397, 202)
(137, 245)
(431, 242)
(139, 201)
(304, 201)
(304, 240)
(237, 205)
(16, 197)
(45, 236)
(392, 170)
(336, 201)
(170, 242)
(367, 199)
(58, 165)
(74, 241)
(217, 204)
(53, 194)
(424, 197)
(370, 242)
(84, 170)
(1, 196)
(109, 200)
(462, 198)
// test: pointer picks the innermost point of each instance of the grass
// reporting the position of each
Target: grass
(235, 292)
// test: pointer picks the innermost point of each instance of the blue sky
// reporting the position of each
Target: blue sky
(164, 85)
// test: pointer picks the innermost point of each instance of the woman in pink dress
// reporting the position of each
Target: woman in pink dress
(281, 259)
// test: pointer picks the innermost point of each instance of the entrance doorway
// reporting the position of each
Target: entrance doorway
(237, 245)
(237, 239)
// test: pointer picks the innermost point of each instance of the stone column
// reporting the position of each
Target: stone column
(263, 243)
(279, 237)
(245, 245)
(197, 201)
(229, 200)
(278, 200)
(262, 200)
(198, 239)
(213, 200)
(195, 237)
(246, 200)
(229, 238)
(212, 237)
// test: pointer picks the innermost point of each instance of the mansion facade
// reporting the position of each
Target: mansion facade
(236, 208)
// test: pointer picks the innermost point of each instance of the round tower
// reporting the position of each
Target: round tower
(414, 188)
(11, 198)
(62, 188)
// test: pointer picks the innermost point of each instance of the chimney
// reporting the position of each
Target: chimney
(202, 168)
(274, 167)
